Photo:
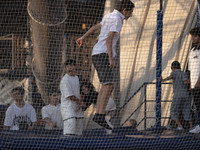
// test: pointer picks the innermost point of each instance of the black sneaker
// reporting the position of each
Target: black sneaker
(100, 119)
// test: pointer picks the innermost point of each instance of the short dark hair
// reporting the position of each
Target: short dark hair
(175, 65)
(20, 89)
(125, 4)
(70, 62)
(54, 91)
(195, 31)
(88, 84)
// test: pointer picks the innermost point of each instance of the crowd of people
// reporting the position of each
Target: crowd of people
(67, 105)
(65, 109)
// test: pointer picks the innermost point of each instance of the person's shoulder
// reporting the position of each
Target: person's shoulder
(46, 106)
(111, 16)
(117, 14)
(74, 78)
(184, 74)
(180, 71)
(58, 106)
(11, 107)
(64, 77)
(29, 106)
(114, 12)
(108, 14)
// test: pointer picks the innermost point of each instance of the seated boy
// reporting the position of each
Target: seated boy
(20, 115)
(51, 113)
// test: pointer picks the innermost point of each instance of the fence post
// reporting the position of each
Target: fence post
(145, 106)
(159, 67)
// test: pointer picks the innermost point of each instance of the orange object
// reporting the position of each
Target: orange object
(83, 26)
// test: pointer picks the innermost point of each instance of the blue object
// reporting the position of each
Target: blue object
(159, 67)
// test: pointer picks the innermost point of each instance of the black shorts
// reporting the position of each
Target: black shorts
(102, 65)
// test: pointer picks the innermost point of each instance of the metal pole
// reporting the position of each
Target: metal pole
(198, 13)
(145, 106)
(161, 1)
(159, 66)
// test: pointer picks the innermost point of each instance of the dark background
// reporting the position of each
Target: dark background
(14, 17)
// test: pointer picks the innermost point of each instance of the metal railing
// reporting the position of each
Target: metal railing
(144, 85)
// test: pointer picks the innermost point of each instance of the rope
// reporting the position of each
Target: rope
(44, 23)
(35, 74)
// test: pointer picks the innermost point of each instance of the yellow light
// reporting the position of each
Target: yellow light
(83, 26)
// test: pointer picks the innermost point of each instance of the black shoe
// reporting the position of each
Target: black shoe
(100, 119)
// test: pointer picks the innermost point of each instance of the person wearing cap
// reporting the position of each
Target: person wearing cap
(104, 54)
(71, 103)
(194, 68)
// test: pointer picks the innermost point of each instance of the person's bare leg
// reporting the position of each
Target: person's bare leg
(98, 99)
(102, 101)
(103, 97)
(178, 122)
(190, 124)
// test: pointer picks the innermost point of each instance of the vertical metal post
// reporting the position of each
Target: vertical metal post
(145, 106)
(13, 52)
(159, 67)
(198, 13)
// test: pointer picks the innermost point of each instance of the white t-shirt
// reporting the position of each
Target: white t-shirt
(17, 118)
(194, 66)
(111, 22)
(70, 86)
(54, 114)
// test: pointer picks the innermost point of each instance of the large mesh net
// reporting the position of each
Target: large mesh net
(38, 36)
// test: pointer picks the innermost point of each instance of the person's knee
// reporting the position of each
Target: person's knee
(109, 86)
(112, 86)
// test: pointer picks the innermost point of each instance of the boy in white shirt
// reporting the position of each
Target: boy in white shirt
(71, 102)
(51, 113)
(20, 115)
(104, 54)
(194, 68)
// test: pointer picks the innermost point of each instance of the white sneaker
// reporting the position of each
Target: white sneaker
(179, 128)
(196, 129)
(109, 123)
(108, 131)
